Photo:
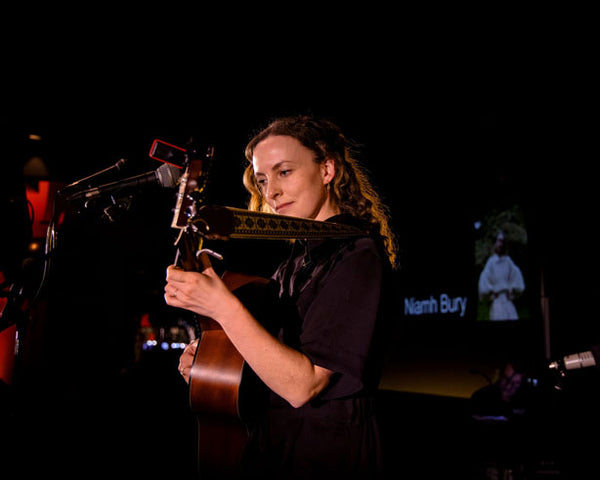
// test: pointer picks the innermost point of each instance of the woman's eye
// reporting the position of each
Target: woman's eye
(285, 173)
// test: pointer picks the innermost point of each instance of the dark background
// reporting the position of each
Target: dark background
(448, 125)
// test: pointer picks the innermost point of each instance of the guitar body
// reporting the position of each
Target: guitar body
(224, 392)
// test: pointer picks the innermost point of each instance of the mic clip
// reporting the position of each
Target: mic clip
(117, 208)
(558, 366)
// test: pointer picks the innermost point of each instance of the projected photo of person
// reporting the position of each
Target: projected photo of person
(501, 280)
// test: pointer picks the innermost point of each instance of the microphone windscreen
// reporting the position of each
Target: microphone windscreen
(168, 175)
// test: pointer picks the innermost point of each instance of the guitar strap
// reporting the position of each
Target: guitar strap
(229, 222)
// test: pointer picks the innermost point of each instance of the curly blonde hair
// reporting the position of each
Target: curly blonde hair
(351, 189)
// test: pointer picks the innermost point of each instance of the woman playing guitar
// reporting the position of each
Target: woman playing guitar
(322, 365)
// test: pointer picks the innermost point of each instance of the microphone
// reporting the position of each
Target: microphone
(575, 361)
(165, 176)
(117, 166)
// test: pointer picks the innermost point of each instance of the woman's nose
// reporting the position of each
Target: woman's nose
(273, 190)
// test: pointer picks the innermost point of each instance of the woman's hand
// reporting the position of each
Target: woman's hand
(202, 293)
(187, 359)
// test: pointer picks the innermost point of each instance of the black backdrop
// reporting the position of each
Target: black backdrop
(442, 136)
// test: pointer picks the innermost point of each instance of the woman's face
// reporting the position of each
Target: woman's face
(291, 181)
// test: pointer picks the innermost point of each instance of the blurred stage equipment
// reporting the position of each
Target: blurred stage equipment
(575, 361)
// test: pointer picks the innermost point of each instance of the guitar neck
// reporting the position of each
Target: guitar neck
(215, 222)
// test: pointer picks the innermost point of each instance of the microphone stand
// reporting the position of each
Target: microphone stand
(58, 208)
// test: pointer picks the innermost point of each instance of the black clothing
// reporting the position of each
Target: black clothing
(334, 287)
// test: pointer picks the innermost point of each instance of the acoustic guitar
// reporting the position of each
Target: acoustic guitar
(224, 392)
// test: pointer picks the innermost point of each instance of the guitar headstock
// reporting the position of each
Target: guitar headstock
(191, 189)
(189, 198)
